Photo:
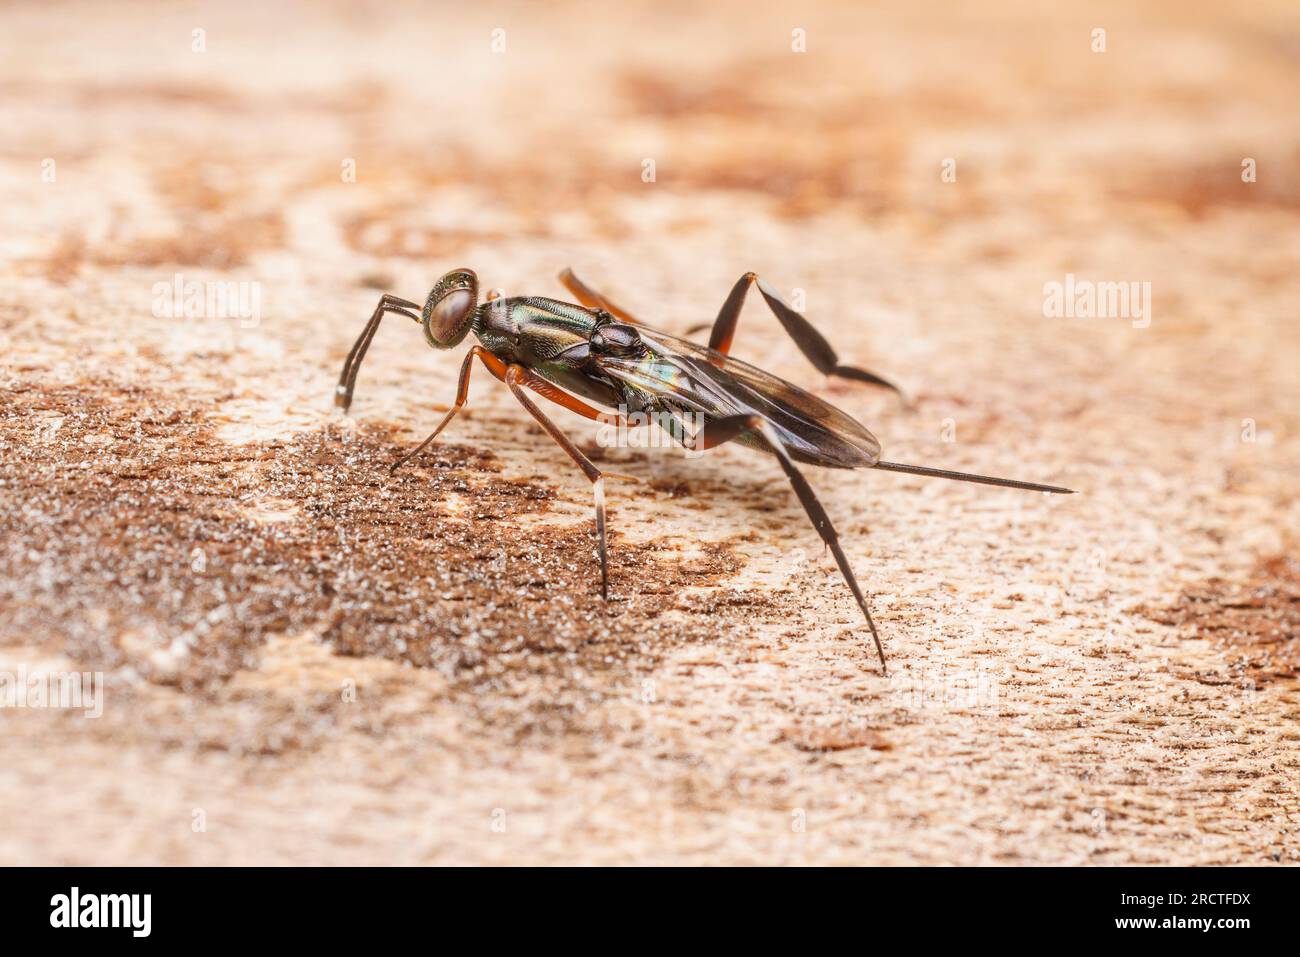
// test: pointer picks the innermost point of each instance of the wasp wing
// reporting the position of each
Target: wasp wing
(686, 377)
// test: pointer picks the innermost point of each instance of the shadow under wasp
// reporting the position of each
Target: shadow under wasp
(570, 353)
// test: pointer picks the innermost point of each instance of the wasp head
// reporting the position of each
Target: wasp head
(449, 308)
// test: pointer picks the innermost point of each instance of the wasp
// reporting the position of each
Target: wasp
(592, 351)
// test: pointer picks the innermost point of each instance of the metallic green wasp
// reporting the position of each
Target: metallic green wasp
(595, 352)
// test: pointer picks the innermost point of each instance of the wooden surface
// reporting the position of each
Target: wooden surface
(323, 665)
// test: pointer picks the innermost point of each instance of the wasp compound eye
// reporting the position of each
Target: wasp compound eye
(450, 307)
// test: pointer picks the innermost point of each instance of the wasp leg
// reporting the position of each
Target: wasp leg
(348, 377)
(515, 376)
(805, 335)
(535, 382)
(494, 365)
(594, 300)
(723, 430)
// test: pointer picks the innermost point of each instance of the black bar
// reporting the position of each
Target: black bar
(991, 907)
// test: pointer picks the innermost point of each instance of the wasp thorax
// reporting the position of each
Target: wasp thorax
(616, 339)
(450, 307)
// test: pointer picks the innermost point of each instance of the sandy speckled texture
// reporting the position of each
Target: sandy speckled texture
(333, 666)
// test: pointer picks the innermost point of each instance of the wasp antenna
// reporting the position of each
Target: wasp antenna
(968, 477)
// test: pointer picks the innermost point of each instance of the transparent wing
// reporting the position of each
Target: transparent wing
(695, 378)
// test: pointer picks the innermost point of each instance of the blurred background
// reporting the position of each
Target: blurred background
(856, 152)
